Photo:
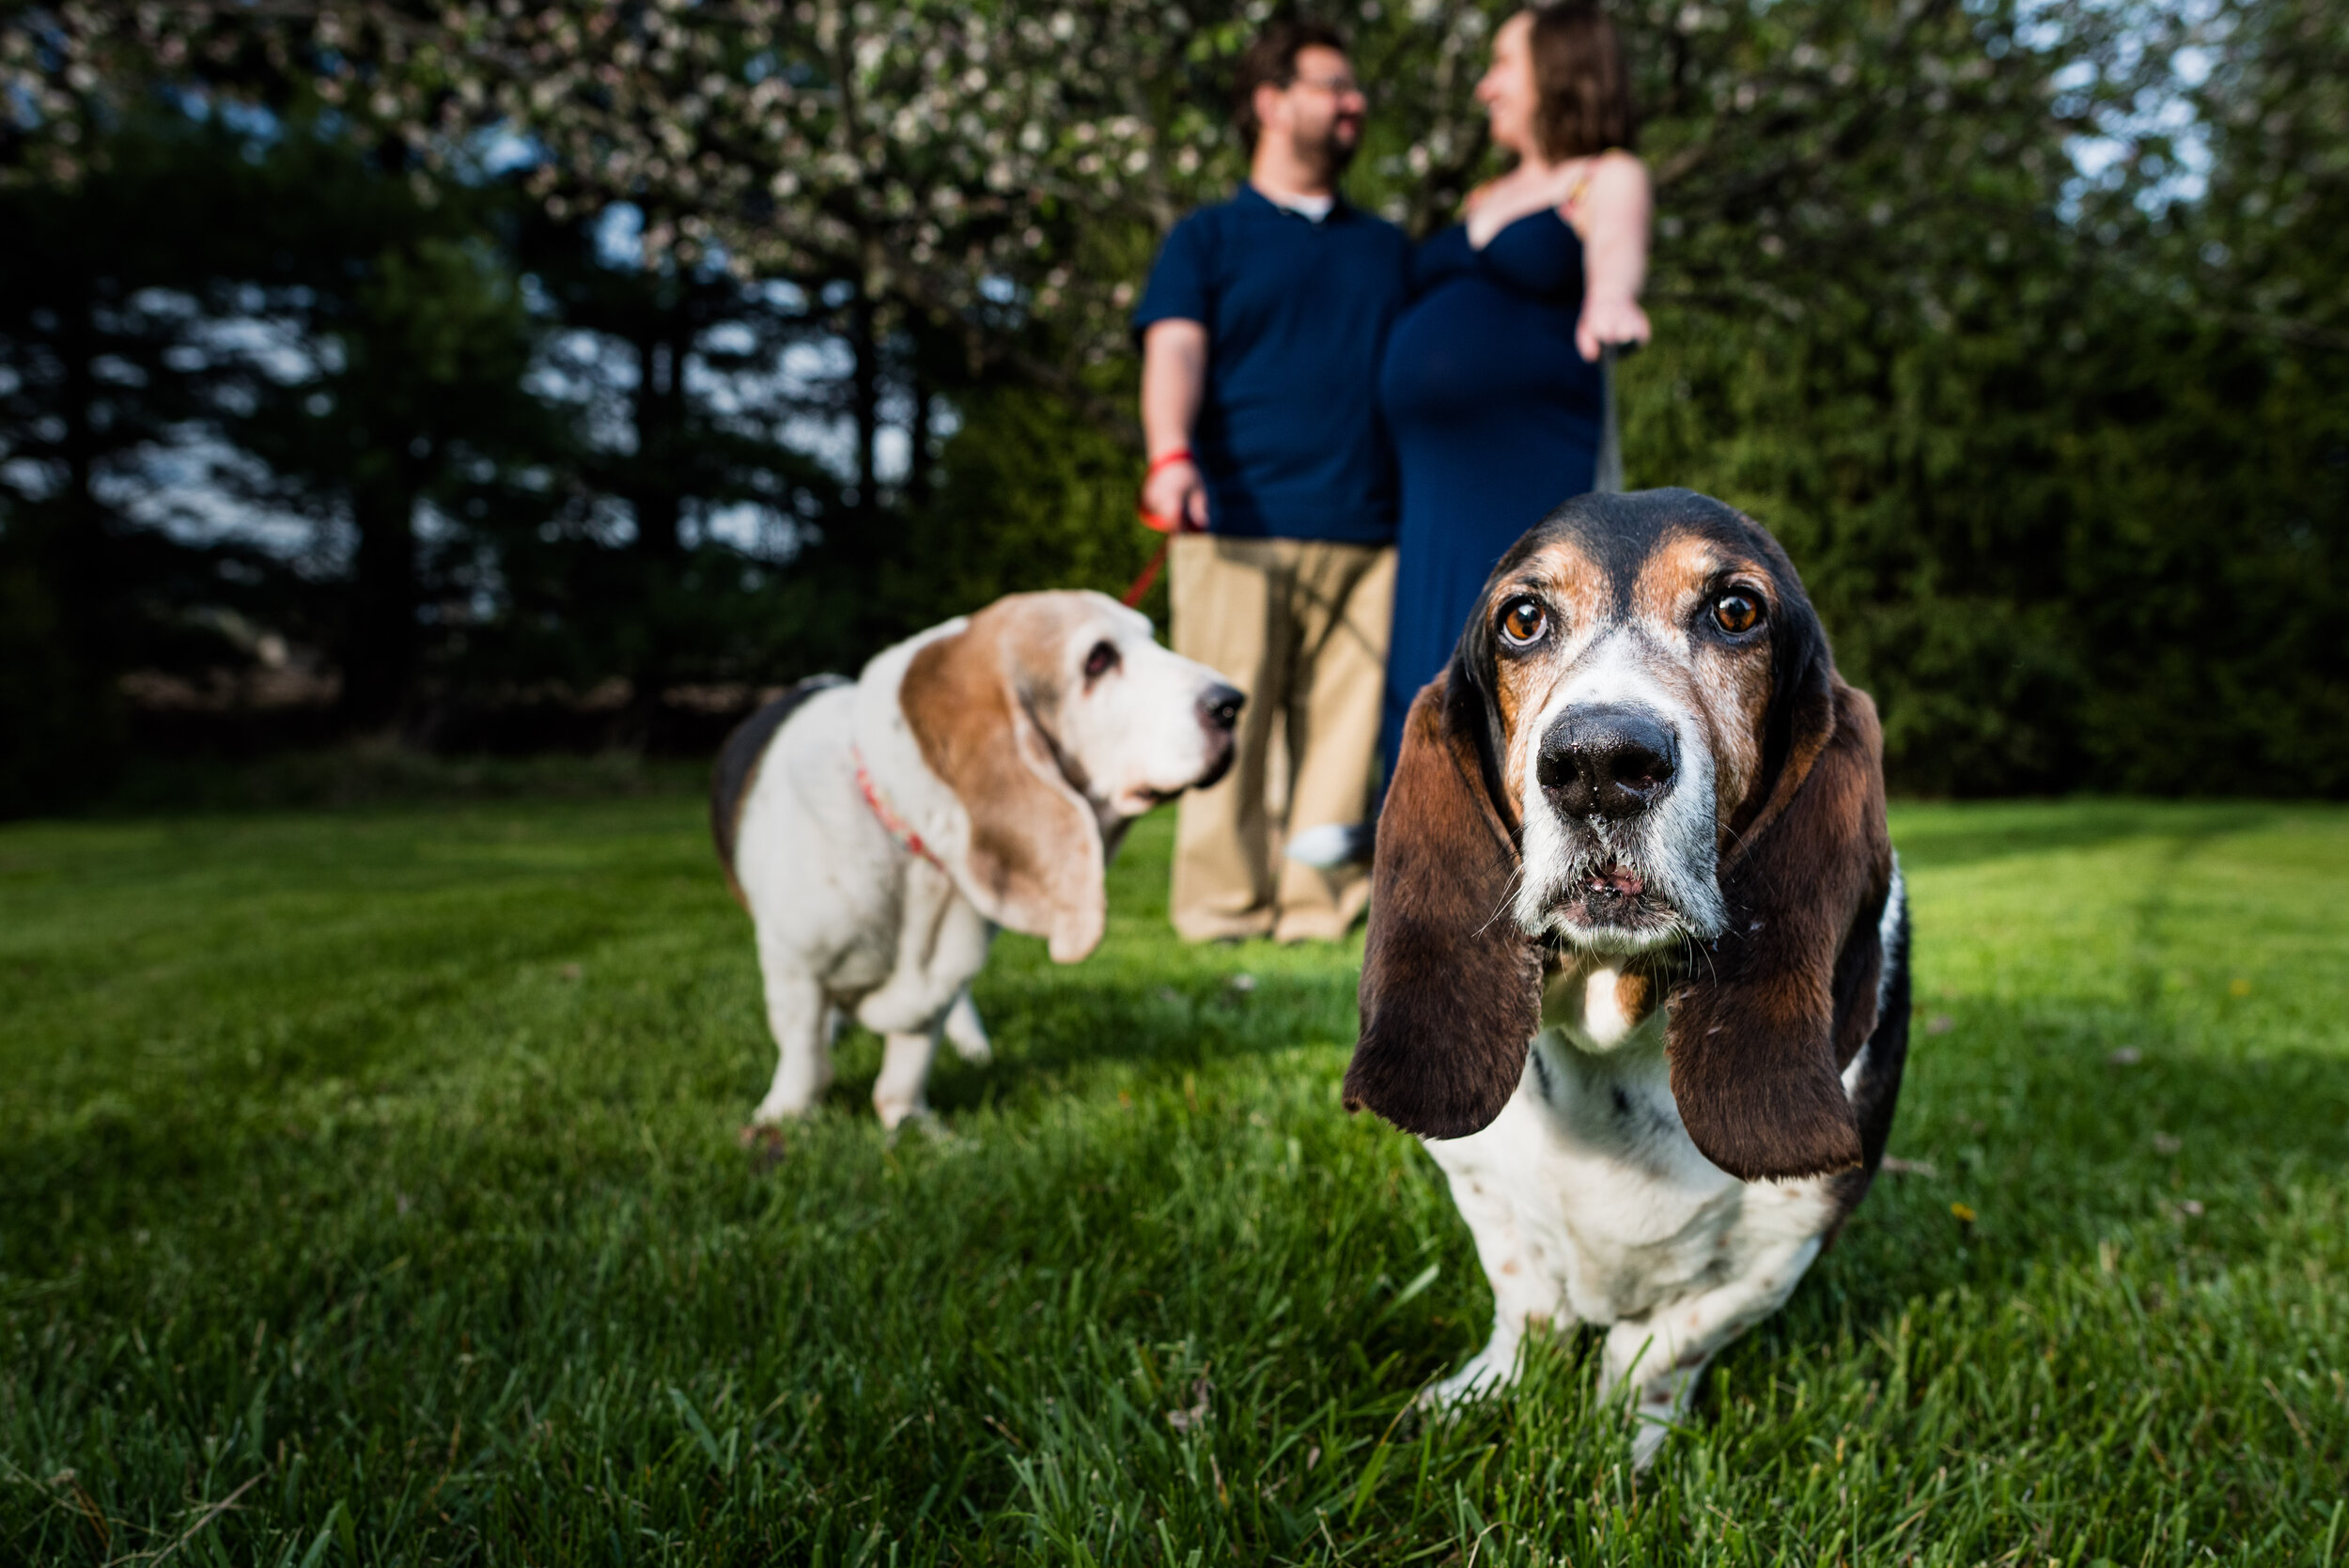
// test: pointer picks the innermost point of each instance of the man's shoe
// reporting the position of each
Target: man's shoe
(1333, 845)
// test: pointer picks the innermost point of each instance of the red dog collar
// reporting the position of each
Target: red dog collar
(898, 828)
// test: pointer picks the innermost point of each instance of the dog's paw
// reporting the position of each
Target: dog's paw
(1479, 1379)
(924, 1121)
(1655, 1424)
(967, 1034)
(1331, 846)
(764, 1142)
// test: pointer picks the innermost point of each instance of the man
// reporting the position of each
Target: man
(1261, 331)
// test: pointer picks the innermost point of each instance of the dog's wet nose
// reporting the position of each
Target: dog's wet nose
(1219, 707)
(1607, 760)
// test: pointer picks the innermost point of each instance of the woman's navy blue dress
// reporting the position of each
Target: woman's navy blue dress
(1495, 419)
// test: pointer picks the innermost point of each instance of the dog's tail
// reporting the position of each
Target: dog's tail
(737, 768)
(1333, 845)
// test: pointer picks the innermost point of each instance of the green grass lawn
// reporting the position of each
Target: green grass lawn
(370, 1193)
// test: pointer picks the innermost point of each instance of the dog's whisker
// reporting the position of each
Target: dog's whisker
(1508, 897)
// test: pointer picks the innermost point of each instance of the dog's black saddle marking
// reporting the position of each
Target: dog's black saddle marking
(738, 762)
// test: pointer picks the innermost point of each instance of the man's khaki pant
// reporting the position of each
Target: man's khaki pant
(1300, 626)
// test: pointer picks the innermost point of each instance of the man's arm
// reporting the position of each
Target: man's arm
(1174, 384)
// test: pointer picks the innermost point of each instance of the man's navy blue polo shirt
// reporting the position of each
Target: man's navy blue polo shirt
(1289, 438)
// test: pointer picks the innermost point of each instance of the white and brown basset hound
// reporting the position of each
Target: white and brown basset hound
(1637, 966)
(977, 775)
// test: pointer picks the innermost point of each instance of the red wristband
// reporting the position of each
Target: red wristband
(1181, 454)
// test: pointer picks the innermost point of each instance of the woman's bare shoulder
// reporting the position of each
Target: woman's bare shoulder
(1618, 166)
(1606, 182)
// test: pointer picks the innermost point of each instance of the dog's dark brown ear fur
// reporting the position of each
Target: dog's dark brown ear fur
(1035, 859)
(1451, 987)
(1785, 996)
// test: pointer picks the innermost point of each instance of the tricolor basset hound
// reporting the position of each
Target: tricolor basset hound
(977, 775)
(1637, 966)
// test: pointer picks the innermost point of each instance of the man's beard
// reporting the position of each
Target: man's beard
(1326, 154)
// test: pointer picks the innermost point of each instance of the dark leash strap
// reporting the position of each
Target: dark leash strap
(1608, 477)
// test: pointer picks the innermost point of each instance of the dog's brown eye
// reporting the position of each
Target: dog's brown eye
(1737, 612)
(1524, 621)
(1102, 660)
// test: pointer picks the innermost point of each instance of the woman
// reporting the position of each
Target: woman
(1491, 387)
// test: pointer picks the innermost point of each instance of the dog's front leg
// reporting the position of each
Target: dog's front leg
(941, 943)
(1483, 1170)
(1524, 1296)
(1654, 1362)
(905, 1068)
(966, 1033)
(801, 1021)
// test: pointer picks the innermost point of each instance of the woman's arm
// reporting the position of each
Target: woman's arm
(1611, 216)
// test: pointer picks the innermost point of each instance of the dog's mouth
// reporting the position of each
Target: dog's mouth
(1611, 902)
(1137, 799)
(1615, 881)
(1217, 765)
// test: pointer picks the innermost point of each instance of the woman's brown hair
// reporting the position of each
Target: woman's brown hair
(1586, 104)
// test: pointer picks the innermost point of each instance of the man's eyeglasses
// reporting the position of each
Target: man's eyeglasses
(1336, 86)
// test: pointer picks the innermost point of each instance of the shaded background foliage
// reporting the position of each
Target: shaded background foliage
(501, 377)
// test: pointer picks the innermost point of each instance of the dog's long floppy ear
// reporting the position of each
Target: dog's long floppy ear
(1781, 1000)
(1451, 986)
(1034, 863)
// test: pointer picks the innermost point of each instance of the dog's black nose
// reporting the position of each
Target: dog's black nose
(1219, 707)
(1607, 761)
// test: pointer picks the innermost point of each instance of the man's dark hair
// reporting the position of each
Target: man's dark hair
(1271, 61)
(1585, 89)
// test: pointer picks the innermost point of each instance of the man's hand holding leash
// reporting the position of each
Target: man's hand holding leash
(1174, 496)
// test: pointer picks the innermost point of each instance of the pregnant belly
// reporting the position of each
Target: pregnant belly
(1470, 352)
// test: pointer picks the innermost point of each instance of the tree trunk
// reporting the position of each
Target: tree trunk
(379, 662)
(866, 394)
(918, 475)
(658, 499)
(81, 542)
(658, 410)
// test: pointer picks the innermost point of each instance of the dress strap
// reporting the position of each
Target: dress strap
(1588, 173)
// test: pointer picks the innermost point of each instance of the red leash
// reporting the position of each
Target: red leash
(1158, 524)
(1150, 573)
